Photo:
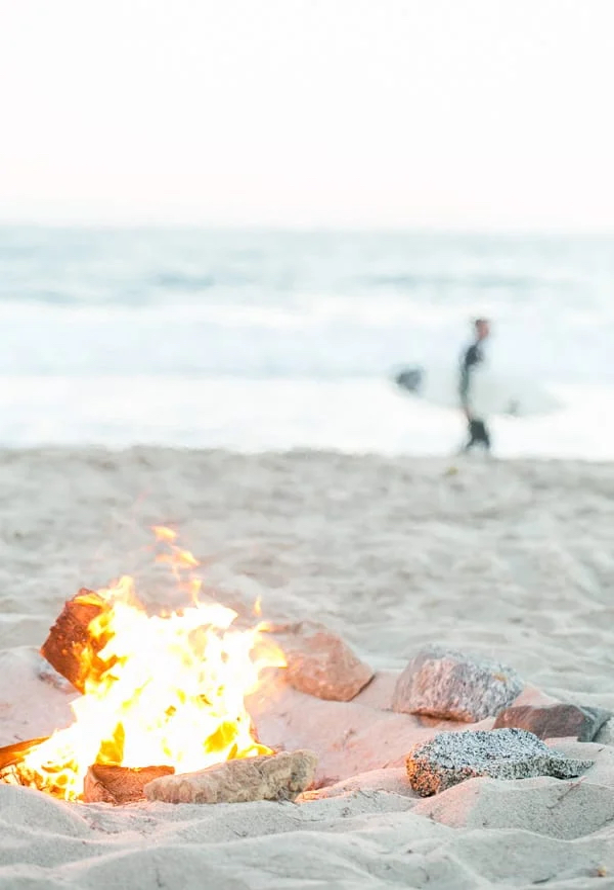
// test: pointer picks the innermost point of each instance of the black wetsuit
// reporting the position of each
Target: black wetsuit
(478, 432)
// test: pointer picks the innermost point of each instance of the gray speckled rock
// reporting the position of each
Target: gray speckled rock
(453, 757)
(444, 683)
(555, 721)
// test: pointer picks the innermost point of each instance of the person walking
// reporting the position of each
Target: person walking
(471, 359)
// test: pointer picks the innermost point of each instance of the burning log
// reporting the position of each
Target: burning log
(11, 759)
(119, 784)
(103, 783)
(281, 776)
(15, 753)
(70, 647)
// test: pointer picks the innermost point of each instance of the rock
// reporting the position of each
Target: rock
(119, 784)
(555, 721)
(606, 734)
(602, 770)
(537, 698)
(319, 663)
(271, 777)
(447, 684)
(453, 757)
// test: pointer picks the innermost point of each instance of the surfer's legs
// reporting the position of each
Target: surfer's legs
(478, 435)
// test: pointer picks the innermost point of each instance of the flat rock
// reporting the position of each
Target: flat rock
(555, 721)
(453, 757)
(280, 776)
(447, 684)
(319, 663)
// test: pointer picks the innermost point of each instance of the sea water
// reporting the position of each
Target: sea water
(276, 340)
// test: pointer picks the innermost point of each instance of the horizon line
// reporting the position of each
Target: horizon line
(303, 229)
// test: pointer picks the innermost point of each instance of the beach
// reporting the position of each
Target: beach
(306, 474)
(510, 560)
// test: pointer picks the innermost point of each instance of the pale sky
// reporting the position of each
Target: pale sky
(471, 114)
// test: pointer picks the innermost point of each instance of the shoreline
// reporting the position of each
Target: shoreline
(474, 459)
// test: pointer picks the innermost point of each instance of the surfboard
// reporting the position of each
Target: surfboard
(491, 393)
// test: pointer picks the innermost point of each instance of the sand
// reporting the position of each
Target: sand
(513, 560)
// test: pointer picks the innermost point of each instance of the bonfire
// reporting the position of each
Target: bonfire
(160, 693)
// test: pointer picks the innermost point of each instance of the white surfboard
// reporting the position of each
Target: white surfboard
(491, 393)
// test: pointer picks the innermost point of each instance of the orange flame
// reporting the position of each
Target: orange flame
(170, 691)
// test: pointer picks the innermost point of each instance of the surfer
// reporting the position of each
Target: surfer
(472, 357)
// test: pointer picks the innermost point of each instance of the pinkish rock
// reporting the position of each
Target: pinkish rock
(452, 685)
(319, 663)
(555, 721)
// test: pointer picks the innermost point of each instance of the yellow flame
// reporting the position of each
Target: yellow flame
(180, 558)
(162, 533)
(194, 589)
(166, 691)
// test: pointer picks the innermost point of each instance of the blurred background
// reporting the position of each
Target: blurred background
(226, 225)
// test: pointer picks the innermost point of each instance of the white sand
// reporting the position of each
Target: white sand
(512, 560)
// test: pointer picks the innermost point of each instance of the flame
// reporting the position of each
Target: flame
(164, 534)
(166, 691)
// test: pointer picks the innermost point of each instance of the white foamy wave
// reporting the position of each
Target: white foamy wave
(252, 416)
(270, 342)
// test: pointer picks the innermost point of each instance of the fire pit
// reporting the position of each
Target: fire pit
(161, 694)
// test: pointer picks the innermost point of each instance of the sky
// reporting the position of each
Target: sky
(445, 114)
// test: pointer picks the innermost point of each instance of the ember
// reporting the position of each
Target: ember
(156, 690)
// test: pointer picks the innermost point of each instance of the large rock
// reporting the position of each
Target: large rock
(319, 663)
(270, 777)
(448, 684)
(555, 721)
(453, 757)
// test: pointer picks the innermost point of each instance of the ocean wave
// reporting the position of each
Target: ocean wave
(312, 305)
(261, 342)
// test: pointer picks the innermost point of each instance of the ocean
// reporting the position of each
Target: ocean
(274, 340)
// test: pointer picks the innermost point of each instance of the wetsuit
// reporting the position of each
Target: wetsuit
(478, 432)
